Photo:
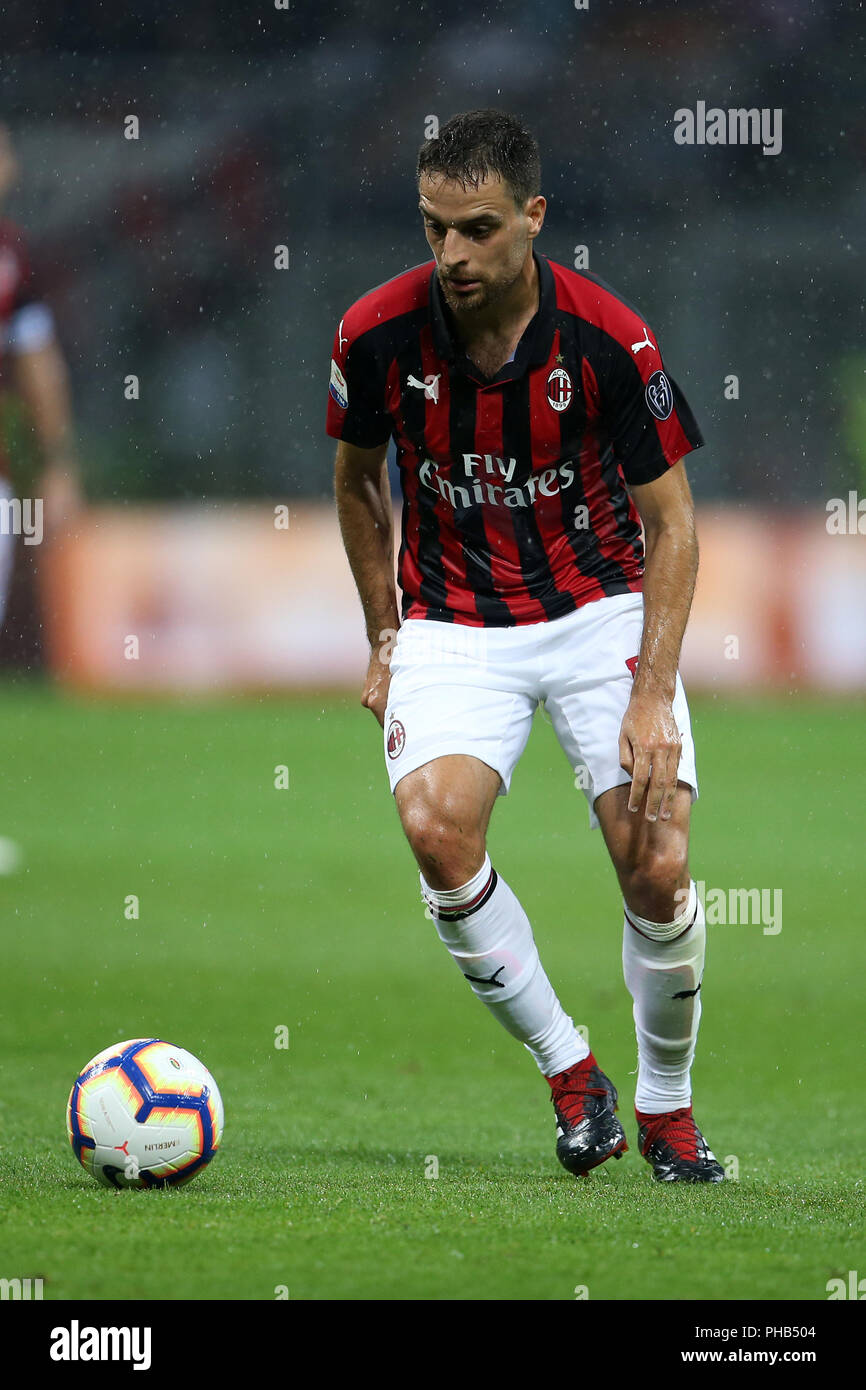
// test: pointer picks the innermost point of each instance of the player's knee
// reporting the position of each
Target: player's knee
(652, 882)
(448, 853)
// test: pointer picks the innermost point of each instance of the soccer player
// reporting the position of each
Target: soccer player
(536, 429)
(32, 362)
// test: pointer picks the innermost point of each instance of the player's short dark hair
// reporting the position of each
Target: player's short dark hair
(475, 144)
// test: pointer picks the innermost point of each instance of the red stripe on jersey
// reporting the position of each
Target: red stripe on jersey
(591, 393)
(498, 526)
(392, 389)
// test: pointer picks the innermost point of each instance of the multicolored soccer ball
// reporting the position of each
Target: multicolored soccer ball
(144, 1114)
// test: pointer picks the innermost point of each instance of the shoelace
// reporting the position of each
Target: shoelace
(680, 1131)
(579, 1088)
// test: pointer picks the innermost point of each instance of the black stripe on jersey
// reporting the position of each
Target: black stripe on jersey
(429, 545)
(476, 547)
(588, 554)
(627, 528)
(534, 564)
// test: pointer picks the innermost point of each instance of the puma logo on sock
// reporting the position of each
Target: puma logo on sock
(492, 980)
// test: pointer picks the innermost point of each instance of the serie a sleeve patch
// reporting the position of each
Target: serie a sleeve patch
(338, 388)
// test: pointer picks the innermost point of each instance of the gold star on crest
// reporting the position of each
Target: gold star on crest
(559, 359)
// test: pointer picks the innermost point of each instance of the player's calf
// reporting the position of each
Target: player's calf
(650, 857)
(656, 886)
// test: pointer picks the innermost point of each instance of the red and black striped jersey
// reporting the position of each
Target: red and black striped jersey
(515, 504)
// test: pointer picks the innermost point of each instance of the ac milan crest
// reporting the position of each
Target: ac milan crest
(559, 389)
(396, 738)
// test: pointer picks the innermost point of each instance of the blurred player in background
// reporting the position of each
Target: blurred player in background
(33, 367)
(536, 429)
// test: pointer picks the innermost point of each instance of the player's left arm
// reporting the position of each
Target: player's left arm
(41, 380)
(649, 744)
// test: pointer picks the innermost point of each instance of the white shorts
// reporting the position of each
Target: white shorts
(459, 689)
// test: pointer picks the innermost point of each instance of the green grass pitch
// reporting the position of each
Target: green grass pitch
(263, 908)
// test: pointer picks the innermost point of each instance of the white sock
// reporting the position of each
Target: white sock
(489, 937)
(660, 961)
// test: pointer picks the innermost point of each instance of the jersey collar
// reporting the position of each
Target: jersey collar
(533, 348)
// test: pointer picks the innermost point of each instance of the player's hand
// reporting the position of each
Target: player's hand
(375, 693)
(650, 748)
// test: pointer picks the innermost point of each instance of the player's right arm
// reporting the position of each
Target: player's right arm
(367, 524)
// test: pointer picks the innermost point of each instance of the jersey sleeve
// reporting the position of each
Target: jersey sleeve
(30, 328)
(356, 392)
(647, 417)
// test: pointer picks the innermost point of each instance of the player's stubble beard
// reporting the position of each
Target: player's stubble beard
(469, 308)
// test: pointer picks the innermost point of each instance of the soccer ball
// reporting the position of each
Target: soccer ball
(144, 1114)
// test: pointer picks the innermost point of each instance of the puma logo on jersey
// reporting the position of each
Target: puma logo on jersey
(636, 347)
(430, 387)
(340, 333)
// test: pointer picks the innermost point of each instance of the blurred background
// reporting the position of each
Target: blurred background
(261, 128)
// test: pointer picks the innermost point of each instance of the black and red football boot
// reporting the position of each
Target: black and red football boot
(676, 1149)
(587, 1130)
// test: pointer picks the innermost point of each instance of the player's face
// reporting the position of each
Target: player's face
(479, 237)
